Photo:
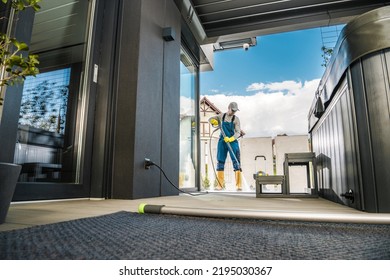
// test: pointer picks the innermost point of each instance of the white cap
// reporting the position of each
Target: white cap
(233, 106)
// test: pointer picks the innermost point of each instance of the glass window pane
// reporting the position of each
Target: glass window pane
(188, 144)
(50, 114)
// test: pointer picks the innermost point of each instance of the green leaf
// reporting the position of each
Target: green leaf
(36, 7)
(23, 47)
(20, 45)
(20, 6)
(15, 59)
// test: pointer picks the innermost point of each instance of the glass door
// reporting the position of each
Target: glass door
(188, 122)
(51, 143)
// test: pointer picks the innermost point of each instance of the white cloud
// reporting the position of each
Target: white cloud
(276, 108)
(255, 86)
(291, 86)
(186, 106)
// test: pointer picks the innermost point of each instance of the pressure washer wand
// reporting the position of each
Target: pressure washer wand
(229, 146)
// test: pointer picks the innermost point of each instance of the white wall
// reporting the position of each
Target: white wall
(250, 148)
(297, 174)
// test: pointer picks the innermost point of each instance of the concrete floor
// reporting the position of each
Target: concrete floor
(27, 214)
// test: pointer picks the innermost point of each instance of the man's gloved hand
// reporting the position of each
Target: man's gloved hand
(229, 139)
(214, 122)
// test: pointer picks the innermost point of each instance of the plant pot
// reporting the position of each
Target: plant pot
(9, 174)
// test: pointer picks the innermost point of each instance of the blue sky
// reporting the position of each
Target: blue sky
(280, 57)
(274, 81)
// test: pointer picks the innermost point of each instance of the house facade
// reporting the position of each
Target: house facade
(119, 82)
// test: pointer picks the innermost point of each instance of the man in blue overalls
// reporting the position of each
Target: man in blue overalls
(229, 124)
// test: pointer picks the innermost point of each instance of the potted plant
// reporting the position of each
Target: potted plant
(15, 65)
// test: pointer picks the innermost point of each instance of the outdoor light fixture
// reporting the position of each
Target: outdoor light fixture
(168, 34)
(234, 44)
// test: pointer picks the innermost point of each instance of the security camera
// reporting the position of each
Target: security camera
(245, 46)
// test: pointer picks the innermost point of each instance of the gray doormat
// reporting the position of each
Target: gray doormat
(131, 236)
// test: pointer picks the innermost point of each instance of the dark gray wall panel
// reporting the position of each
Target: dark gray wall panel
(351, 171)
(126, 92)
(149, 99)
(377, 92)
(364, 138)
(147, 110)
(170, 141)
(333, 143)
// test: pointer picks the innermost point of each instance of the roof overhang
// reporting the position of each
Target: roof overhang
(213, 21)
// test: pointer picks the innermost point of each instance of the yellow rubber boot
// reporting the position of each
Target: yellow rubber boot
(238, 180)
(220, 180)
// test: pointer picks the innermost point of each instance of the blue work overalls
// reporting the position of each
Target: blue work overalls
(223, 149)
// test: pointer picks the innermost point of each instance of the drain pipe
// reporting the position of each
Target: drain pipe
(361, 218)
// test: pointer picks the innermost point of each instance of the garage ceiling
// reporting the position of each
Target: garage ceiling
(222, 20)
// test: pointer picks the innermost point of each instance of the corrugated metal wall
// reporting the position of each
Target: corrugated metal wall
(333, 141)
(352, 138)
(371, 87)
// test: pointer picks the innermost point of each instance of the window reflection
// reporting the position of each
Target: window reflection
(51, 113)
(44, 101)
(41, 129)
